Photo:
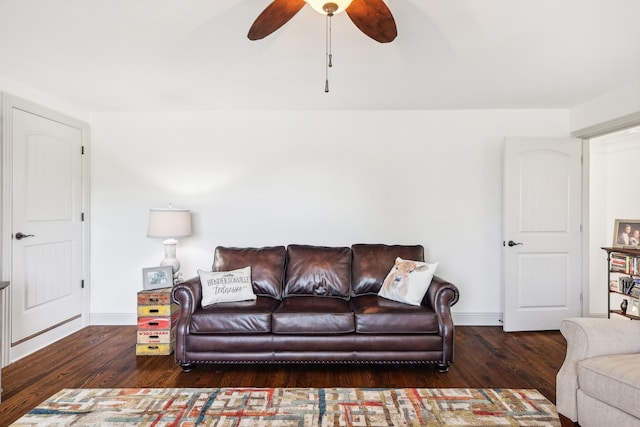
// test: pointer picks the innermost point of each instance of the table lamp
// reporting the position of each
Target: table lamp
(169, 223)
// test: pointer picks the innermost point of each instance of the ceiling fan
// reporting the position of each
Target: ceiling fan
(372, 17)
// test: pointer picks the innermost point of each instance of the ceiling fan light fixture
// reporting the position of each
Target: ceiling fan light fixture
(372, 17)
(325, 7)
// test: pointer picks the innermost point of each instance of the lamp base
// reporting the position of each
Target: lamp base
(170, 259)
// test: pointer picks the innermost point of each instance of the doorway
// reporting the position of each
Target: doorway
(542, 247)
(610, 164)
(45, 230)
(614, 165)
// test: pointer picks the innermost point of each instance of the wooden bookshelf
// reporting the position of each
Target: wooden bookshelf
(623, 263)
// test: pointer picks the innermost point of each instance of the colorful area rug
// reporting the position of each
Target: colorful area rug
(298, 407)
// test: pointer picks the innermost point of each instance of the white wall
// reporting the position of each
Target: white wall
(600, 231)
(327, 178)
(324, 178)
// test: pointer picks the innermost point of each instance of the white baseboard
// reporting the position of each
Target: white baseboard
(459, 319)
(113, 319)
(477, 319)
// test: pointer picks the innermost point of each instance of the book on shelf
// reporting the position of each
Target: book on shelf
(621, 263)
(625, 284)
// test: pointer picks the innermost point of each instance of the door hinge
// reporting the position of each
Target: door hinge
(82, 216)
(82, 150)
(82, 284)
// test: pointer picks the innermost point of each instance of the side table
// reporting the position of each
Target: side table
(156, 320)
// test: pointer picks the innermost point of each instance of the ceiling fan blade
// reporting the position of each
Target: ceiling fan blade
(373, 18)
(278, 13)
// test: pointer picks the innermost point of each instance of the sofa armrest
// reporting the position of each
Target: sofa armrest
(587, 338)
(188, 294)
(440, 296)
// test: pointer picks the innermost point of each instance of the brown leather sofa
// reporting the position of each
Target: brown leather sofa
(315, 305)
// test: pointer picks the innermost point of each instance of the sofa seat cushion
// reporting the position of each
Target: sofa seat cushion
(242, 317)
(313, 315)
(613, 379)
(376, 315)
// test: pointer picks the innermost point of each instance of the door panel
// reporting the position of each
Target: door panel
(543, 193)
(47, 266)
(542, 214)
(49, 177)
(543, 280)
(47, 285)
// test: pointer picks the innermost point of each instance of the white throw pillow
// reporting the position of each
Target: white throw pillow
(408, 281)
(226, 286)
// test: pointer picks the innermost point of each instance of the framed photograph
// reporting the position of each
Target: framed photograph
(634, 308)
(157, 277)
(626, 233)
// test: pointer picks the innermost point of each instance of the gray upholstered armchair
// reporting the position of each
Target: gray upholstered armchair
(599, 382)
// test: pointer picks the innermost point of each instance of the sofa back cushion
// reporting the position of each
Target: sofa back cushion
(372, 262)
(318, 270)
(267, 266)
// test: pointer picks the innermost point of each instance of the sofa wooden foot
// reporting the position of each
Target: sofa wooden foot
(442, 367)
(187, 367)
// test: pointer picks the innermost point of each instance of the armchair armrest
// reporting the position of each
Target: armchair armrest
(587, 338)
(440, 296)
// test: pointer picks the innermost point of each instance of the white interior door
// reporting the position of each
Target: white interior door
(46, 266)
(542, 252)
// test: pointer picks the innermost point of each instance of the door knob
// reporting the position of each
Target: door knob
(20, 235)
(512, 243)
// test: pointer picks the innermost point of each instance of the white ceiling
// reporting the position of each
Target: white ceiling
(155, 55)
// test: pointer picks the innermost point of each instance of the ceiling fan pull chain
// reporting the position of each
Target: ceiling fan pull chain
(330, 15)
(327, 51)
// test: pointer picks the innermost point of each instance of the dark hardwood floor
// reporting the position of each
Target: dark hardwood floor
(104, 356)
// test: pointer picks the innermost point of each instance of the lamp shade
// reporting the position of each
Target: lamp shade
(169, 223)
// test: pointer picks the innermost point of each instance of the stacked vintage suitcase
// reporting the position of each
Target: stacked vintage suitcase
(156, 320)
